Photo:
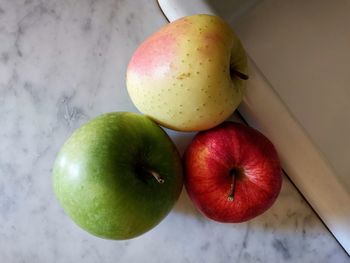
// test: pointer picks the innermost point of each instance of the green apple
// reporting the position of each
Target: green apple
(118, 175)
(190, 75)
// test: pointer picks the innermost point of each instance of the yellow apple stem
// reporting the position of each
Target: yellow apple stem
(233, 174)
(239, 74)
(156, 176)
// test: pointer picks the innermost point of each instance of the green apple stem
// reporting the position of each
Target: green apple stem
(236, 73)
(233, 174)
(156, 176)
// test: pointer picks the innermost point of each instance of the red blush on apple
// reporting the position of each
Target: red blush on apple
(149, 58)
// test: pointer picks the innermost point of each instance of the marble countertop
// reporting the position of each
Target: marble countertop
(63, 63)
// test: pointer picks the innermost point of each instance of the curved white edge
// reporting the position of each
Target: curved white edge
(263, 109)
(175, 9)
(302, 161)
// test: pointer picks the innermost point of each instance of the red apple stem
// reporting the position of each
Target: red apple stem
(233, 174)
(157, 176)
(239, 74)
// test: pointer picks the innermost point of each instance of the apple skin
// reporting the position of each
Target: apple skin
(99, 180)
(209, 162)
(181, 76)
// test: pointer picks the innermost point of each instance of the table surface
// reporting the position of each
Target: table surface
(63, 63)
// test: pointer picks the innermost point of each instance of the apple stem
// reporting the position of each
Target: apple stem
(156, 176)
(233, 174)
(239, 74)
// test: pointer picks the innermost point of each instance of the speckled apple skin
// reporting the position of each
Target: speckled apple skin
(207, 164)
(180, 76)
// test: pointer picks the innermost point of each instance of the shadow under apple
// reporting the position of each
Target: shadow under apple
(289, 214)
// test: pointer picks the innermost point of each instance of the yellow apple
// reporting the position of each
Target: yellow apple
(190, 75)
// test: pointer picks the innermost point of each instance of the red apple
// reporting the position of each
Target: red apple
(233, 172)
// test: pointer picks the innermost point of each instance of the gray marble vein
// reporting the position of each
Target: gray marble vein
(63, 63)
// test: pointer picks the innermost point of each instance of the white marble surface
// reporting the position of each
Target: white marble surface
(62, 63)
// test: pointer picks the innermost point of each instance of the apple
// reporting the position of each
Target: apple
(118, 175)
(190, 75)
(232, 173)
